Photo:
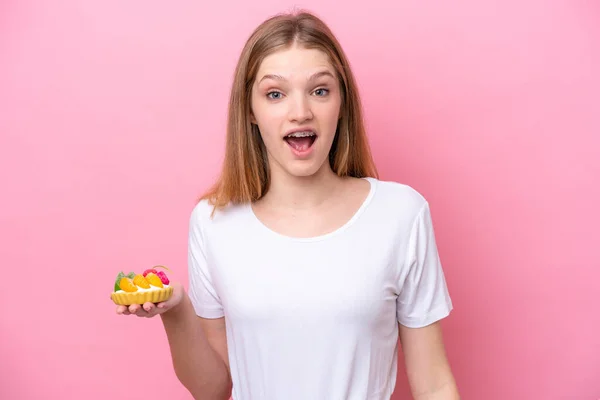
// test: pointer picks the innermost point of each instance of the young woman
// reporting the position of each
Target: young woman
(305, 270)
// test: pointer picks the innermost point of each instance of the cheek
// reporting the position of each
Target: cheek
(330, 116)
(269, 121)
(269, 128)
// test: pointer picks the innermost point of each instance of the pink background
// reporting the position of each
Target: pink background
(112, 116)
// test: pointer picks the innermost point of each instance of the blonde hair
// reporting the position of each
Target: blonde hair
(245, 173)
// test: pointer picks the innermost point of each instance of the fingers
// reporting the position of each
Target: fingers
(165, 305)
(149, 310)
(141, 310)
(149, 307)
(122, 310)
(137, 310)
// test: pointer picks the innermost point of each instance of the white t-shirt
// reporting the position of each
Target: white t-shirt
(317, 318)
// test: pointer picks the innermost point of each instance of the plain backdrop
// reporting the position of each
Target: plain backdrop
(112, 118)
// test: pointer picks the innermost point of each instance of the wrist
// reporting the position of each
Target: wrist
(178, 309)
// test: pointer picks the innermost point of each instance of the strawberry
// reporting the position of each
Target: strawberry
(154, 280)
(146, 272)
(140, 281)
(163, 277)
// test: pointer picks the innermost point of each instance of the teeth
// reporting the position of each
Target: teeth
(301, 134)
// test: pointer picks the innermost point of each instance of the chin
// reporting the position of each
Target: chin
(304, 169)
(301, 172)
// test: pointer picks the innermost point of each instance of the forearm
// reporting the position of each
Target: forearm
(428, 370)
(197, 365)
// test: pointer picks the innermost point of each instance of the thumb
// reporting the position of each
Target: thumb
(174, 299)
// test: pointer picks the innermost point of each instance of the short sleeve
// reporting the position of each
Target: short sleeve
(424, 297)
(202, 292)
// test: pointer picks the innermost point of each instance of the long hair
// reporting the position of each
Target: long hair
(245, 173)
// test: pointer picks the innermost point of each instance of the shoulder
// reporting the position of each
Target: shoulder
(204, 215)
(398, 197)
(201, 212)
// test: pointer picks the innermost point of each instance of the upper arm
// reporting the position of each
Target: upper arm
(202, 291)
(427, 366)
(215, 331)
(423, 301)
(423, 295)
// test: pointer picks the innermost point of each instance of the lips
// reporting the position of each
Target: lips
(301, 140)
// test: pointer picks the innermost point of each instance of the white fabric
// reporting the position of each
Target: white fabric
(317, 319)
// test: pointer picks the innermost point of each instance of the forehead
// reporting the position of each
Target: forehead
(294, 63)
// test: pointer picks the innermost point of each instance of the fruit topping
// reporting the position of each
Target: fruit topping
(140, 281)
(127, 284)
(146, 272)
(154, 279)
(132, 282)
(120, 276)
(163, 277)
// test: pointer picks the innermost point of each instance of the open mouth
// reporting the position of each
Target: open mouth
(301, 141)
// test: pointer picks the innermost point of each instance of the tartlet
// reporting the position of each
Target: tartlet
(151, 286)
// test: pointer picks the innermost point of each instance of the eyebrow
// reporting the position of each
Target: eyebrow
(314, 76)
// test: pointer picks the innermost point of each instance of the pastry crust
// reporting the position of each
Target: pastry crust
(140, 297)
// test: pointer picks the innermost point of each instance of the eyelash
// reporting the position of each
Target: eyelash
(276, 91)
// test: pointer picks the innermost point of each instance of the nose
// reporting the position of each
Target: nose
(300, 109)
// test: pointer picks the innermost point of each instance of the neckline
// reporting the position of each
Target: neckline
(337, 231)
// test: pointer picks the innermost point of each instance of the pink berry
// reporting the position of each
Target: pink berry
(146, 272)
(163, 277)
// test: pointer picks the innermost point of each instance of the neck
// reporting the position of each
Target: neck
(287, 191)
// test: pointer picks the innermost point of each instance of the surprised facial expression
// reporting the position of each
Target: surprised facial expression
(296, 103)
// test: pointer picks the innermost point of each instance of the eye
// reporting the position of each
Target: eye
(321, 92)
(275, 95)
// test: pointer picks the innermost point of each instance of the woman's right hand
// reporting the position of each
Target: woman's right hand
(149, 310)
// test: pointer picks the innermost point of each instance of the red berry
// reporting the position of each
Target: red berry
(163, 277)
(146, 272)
